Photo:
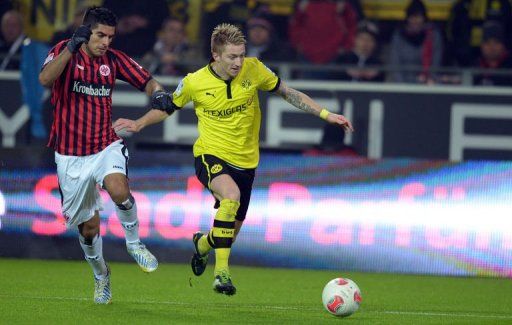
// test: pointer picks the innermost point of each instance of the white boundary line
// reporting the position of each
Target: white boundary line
(434, 314)
(230, 306)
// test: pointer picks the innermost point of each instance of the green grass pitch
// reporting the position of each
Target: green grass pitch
(60, 292)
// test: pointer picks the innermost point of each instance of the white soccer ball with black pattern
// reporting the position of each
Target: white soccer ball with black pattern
(341, 297)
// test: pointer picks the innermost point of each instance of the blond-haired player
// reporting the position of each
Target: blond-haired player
(225, 98)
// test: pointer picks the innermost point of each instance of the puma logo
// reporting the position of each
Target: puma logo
(210, 94)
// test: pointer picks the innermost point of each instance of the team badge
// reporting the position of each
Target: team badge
(246, 84)
(104, 70)
(216, 168)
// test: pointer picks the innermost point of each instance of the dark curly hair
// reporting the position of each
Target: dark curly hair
(99, 15)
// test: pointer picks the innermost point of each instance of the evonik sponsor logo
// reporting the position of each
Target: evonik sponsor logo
(90, 89)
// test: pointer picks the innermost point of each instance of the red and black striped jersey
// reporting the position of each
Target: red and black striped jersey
(82, 99)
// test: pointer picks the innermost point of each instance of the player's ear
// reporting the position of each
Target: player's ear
(216, 56)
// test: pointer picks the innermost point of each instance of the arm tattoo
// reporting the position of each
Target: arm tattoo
(293, 97)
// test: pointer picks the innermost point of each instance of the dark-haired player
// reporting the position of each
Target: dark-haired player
(81, 72)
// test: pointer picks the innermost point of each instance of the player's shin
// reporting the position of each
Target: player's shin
(223, 232)
(127, 213)
(93, 250)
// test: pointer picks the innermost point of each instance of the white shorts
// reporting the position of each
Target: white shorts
(81, 176)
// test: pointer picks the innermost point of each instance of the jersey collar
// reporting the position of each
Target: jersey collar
(210, 68)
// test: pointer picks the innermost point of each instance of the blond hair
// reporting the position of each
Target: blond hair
(225, 34)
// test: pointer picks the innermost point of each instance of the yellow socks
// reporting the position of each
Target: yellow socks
(222, 233)
(203, 245)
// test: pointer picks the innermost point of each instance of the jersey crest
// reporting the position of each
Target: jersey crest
(246, 84)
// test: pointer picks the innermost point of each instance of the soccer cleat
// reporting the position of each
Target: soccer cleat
(143, 257)
(223, 284)
(198, 261)
(102, 293)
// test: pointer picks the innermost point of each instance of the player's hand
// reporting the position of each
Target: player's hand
(126, 125)
(81, 35)
(340, 120)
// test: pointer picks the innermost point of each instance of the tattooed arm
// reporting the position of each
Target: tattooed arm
(308, 105)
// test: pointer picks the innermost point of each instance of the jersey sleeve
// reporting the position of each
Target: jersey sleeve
(130, 71)
(54, 52)
(183, 93)
(268, 80)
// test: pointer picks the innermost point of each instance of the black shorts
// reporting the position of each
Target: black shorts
(208, 167)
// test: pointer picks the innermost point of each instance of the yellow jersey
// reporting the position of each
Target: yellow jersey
(228, 111)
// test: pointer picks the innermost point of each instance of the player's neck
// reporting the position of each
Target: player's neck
(221, 74)
(87, 51)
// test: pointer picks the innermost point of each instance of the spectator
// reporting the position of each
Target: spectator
(263, 43)
(42, 18)
(5, 6)
(321, 30)
(416, 44)
(216, 12)
(25, 54)
(364, 54)
(12, 40)
(139, 22)
(169, 52)
(464, 27)
(494, 56)
(278, 12)
(68, 32)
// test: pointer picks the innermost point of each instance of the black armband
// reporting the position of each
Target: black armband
(278, 83)
(162, 101)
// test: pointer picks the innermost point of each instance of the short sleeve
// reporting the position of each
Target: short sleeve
(268, 80)
(130, 71)
(182, 94)
(54, 52)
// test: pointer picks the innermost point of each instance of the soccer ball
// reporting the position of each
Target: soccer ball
(341, 297)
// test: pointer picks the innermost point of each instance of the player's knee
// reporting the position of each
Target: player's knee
(230, 208)
(89, 234)
(120, 195)
(89, 230)
(232, 194)
(117, 188)
(127, 203)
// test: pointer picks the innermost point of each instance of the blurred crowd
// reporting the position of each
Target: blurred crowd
(327, 39)
(315, 33)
